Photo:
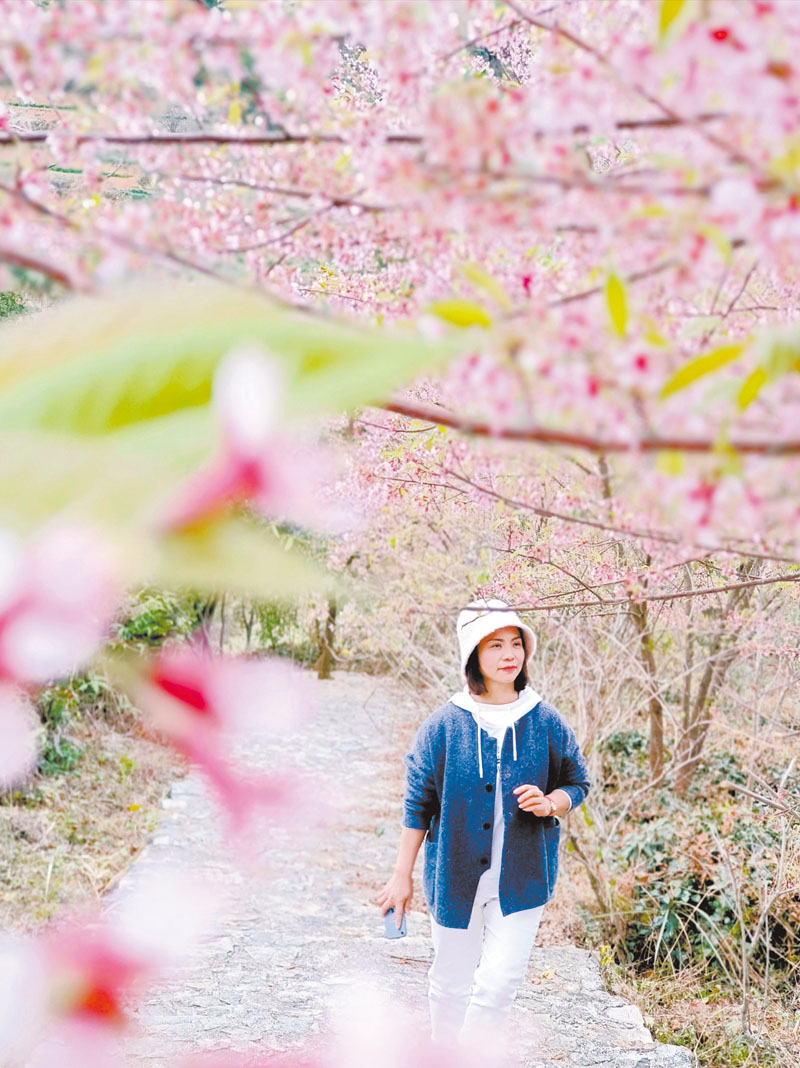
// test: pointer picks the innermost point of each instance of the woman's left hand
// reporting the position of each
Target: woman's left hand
(531, 799)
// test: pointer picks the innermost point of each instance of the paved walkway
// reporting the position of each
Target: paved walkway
(289, 939)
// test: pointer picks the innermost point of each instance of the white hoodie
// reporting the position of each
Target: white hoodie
(495, 720)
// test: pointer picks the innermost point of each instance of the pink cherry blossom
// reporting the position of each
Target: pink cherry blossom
(66, 992)
(18, 748)
(57, 593)
(279, 475)
(206, 707)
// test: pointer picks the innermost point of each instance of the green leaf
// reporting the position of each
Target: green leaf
(751, 387)
(617, 302)
(92, 365)
(461, 313)
(719, 239)
(670, 10)
(115, 481)
(702, 365)
(236, 554)
(670, 462)
(120, 482)
(481, 278)
(779, 351)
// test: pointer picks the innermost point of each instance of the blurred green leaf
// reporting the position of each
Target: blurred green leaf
(751, 387)
(461, 313)
(670, 11)
(481, 278)
(778, 354)
(670, 462)
(702, 365)
(119, 483)
(91, 365)
(236, 554)
(617, 301)
(115, 480)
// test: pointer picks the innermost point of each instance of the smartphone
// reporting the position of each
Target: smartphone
(391, 928)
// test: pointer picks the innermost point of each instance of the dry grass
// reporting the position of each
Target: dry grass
(689, 1009)
(65, 839)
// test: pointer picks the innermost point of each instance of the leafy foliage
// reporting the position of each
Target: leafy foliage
(11, 304)
(692, 868)
(153, 616)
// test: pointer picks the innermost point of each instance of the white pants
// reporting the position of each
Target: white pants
(475, 972)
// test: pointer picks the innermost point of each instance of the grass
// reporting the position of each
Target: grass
(66, 837)
(685, 1008)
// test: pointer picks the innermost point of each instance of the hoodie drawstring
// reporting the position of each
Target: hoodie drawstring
(480, 754)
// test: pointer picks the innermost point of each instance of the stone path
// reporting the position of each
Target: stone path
(287, 940)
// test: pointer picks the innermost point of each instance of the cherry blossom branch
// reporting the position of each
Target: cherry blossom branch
(17, 135)
(735, 154)
(575, 439)
(281, 190)
(51, 270)
(477, 40)
(630, 279)
(547, 513)
(793, 576)
(282, 235)
(117, 239)
(649, 535)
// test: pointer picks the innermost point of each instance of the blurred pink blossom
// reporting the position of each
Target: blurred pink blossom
(18, 747)
(373, 1027)
(281, 475)
(207, 707)
(57, 594)
(230, 1059)
(65, 993)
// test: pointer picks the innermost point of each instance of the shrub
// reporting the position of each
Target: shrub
(692, 872)
(153, 616)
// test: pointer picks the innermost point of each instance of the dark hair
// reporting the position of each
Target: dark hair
(475, 679)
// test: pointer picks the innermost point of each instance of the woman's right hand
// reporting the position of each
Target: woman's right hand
(396, 894)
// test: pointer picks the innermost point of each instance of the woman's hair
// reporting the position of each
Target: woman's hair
(475, 679)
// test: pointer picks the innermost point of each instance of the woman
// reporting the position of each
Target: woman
(487, 777)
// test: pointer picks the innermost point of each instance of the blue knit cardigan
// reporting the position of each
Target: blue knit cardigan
(446, 796)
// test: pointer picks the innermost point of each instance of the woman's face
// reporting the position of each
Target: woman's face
(501, 655)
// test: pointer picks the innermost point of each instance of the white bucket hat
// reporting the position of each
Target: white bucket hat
(480, 618)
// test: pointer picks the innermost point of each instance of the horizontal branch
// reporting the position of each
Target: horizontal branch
(782, 808)
(279, 190)
(107, 235)
(589, 442)
(17, 258)
(285, 137)
(595, 524)
(604, 602)
(635, 276)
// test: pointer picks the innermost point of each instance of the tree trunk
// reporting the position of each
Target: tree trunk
(324, 661)
(655, 704)
(222, 626)
(722, 652)
(204, 609)
(248, 619)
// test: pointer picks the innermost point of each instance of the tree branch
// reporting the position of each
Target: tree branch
(575, 439)
(17, 258)
(284, 137)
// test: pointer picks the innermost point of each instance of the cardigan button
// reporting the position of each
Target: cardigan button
(487, 826)
(489, 788)
(484, 860)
